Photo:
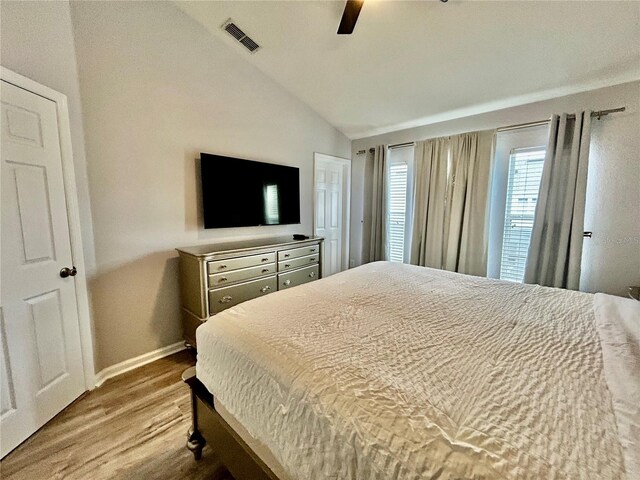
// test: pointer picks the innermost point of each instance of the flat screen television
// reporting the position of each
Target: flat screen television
(245, 193)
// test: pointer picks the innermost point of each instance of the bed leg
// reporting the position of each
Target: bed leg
(195, 443)
(195, 440)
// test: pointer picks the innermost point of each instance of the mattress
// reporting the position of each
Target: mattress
(390, 371)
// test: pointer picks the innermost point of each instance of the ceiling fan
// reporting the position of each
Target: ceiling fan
(350, 16)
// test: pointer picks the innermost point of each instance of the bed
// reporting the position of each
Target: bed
(391, 371)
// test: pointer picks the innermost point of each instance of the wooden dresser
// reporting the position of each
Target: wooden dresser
(218, 276)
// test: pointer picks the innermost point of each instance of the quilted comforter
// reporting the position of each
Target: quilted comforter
(391, 371)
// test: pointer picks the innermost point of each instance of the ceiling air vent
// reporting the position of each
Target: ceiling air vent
(233, 30)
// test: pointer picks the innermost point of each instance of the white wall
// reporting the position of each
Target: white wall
(158, 89)
(611, 259)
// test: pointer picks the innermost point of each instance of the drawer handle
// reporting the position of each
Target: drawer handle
(265, 270)
(286, 265)
(312, 274)
(312, 259)
(226, 299)
(222, 266)
(265, 289)
(287, 255)
(223, 279)
(312, 250)
(265, 259)
(287, 282)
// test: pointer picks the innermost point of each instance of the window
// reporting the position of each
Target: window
(525, 173)
(397, 209)
(400, 161)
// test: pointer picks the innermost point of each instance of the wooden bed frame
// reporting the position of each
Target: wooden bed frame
(209, 427)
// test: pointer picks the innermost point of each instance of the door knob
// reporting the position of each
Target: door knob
(68, 272)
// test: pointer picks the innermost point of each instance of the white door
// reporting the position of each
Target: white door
(331, 210)
(42, 369)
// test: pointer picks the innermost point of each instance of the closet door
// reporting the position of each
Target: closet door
(331, 180)
(41, 359)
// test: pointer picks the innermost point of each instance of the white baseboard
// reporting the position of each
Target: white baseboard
(133, 363)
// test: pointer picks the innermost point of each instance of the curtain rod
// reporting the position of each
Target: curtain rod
(397, 145)
(597, 114)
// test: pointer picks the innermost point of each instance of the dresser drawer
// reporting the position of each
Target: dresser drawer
(218, 280)
(298, 277)
(297, 262)
(219, 266)
(222, 298)
(299, 252)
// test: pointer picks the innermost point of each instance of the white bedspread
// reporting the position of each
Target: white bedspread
(390, 371)
(618, 323)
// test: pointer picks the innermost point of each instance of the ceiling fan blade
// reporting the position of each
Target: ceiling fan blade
(350, 17)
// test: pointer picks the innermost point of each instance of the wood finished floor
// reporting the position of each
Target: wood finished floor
(132, 427)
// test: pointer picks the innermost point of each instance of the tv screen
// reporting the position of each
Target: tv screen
(245, 193)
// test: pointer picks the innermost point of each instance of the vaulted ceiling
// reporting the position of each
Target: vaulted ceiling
(410, 63)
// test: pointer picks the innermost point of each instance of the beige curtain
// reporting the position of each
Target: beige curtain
(378, 247)
(451, 202)
(429, 197)
(467, 211)
(555, 251)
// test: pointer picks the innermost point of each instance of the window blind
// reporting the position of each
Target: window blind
(397, 209)
(525, 173)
